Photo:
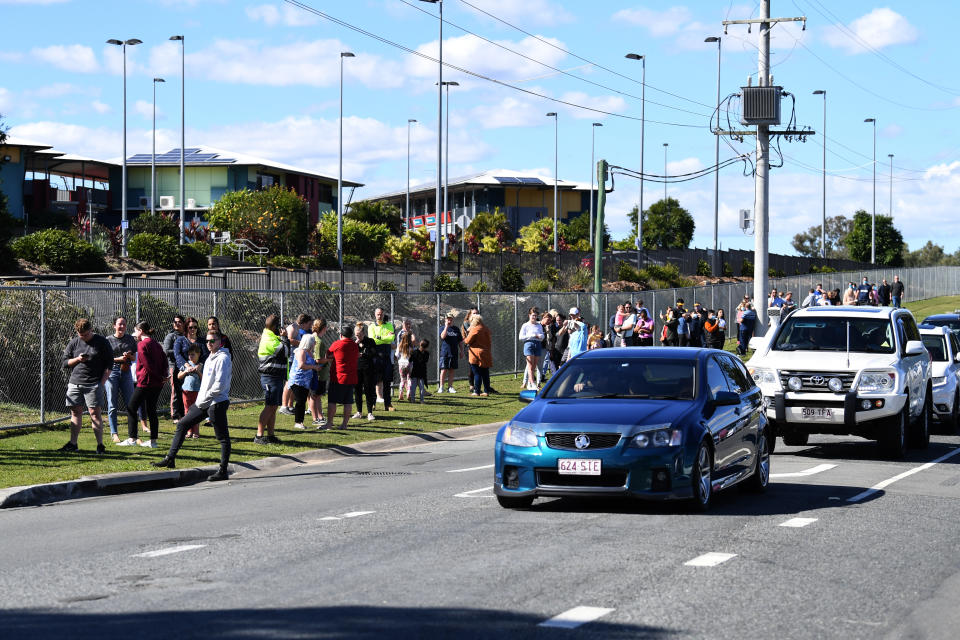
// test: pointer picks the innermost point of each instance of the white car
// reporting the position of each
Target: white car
(846, 370)
(944, 348)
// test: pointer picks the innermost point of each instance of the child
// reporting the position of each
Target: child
(418, 370)
(595, 341)
(404, 349)
(190, 378)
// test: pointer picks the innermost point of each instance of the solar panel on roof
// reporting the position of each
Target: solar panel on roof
(531, 181)
(506, 180)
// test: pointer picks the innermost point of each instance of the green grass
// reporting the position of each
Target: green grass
(30, 456)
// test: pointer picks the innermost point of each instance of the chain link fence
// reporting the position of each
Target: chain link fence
(37, 322)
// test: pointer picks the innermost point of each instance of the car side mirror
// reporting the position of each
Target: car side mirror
(528, 395)
(915, 348)
(726, 399)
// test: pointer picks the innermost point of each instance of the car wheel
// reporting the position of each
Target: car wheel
(795, 437)
(760, 479)
(702, 478)
(508, 502)
(893, 438)
(920, 429)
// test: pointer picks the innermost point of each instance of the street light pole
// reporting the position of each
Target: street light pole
(665, 145)
(409, 122)
(556, 164)
(153, 156)
(716, 159)
(890, 155)
(123, 180)
(873, 224)
(643, 106)
(593, 170)
(823, 223)
(183, 142)
(343, 54)
(446, 168)
(436, 246)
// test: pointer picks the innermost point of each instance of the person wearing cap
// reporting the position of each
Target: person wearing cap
(451, 348)
(578, 334)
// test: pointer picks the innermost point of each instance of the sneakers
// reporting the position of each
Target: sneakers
(218, 476)
(101, 449)
(369, 417)
(166, 463)
(287, 411)
(356, 416)
(273, 440)
(149, 444)
(261, 440)
(322, 422)
(427, 393)
(299, 426)
(129, 442)
(379, 400)
(69, 448)
(451, 390)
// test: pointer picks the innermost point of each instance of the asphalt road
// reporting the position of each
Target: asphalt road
(412, 544)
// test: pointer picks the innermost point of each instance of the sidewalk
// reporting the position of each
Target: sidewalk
(116, 483)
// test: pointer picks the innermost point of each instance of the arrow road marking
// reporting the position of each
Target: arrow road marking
(575, 617)
(805, 472)
(168, 551)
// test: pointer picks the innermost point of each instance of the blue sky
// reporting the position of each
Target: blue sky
(262, 78)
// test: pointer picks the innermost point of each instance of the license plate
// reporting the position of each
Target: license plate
(818, 413)
(578, 467)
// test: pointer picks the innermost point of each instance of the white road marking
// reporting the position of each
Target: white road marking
(168, 551)
(486, 466)
(330, 518)
(805, 472)
(354, 514)
(711, 559)
(575, 617)
(469, 494)
(900, 476)
(798, 522)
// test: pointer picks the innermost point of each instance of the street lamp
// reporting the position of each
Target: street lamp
(123, 179)
(643, 105)
(343, 54)
(716, 158)
(593, 170)
(556, 132)
(409, 122)
(665, 145)
(890, 155)
(823, 223)
(153, 156)
(873, 224)
(436, 246)
(183, 143)
(446, 168)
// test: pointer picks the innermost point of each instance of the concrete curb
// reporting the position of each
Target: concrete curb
(128, 482)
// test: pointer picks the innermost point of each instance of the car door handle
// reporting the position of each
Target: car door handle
(736, 410)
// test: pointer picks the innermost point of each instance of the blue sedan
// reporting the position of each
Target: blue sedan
(653, 423)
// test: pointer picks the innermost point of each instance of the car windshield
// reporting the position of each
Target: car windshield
(953, 325)
(866, 335)
(602, 378)
(937, 346)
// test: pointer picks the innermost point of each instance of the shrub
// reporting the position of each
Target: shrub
(822, 269)
(60, 250)
(626, 272)
(443, 282)
(162, 251)
(362, 241)
(551, 274)
(703, 268)
(275, 218)
(775, 273)
(480, 287)
(746, 269)
(286, 262)
(538, 285)
(580, 278)
(727, 270)
(193, 255)
(387, 285)
(320, 286)
(511, 279)
(161, 224)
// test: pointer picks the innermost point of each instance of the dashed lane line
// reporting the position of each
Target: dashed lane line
(806, 472)
(352, 514)
(165, 552)
(573, 618)
(469, 494)
(711, 559)
(486, 466)
(900, 476)
(798, 522)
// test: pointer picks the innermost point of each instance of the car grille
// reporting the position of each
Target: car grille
(609, 479)
(568, 441)
(808, 385)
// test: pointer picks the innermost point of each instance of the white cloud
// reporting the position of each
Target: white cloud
(57, 90)
(511, 111)
(74, 57)
(657, 23)
(145, 109)
(611, 104)
(100, 107)
(6, 100)
(538, 12)
(487, 59)
(880, 28)
(891, 131)
(286, 15)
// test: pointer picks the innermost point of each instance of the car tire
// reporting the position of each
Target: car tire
(508, 502)
(760, 479)
(701, 478)
(795, 437)
(919, 435)
(893, 439)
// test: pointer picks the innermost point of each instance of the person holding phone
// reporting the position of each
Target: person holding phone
(88, 359)
(120, 382)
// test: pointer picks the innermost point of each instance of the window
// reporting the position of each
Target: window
(716, 379)
(937, 347)
(624, 378)
(736, 375)
(865, 335)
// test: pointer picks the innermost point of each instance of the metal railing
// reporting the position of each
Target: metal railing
(37, 322)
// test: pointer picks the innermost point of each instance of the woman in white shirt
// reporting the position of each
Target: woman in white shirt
(532, 336)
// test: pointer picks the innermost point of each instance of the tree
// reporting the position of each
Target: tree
(380, 212)
(808, 243)
(362, 241)
(929, 255)
(666, 225)
(889, 240)
(487, 224)
(579, 229)
(275, 218)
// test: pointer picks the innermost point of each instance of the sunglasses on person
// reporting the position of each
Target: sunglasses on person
(209, 341)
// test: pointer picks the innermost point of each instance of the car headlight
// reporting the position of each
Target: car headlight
(519, 436)
(660, 435)
(939, 380)
(877, 382)
(761, 375)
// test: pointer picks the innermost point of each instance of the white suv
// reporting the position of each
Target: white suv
(846, 370)
(944, 348)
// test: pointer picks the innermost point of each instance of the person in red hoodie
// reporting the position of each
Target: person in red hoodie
(152, 373)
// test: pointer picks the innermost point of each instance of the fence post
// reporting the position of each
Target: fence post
(283, 315)
(138, 305)
(341, 309)
(216, 296)
(437, 333)
(43, 355)
(478, 302)
(176, 286)
(516, 332)
(406, 277)
(393, 318)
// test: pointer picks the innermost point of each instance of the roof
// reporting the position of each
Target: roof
(931, 330)
(943, 316)
(646, 353)
(493, 177)
(13, 141)
(204, 156)
(69, 164)
(842, 310)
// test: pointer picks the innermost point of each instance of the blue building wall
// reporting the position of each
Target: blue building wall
(11, 183)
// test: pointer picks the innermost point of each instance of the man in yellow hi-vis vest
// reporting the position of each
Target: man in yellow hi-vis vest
(382, 332)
